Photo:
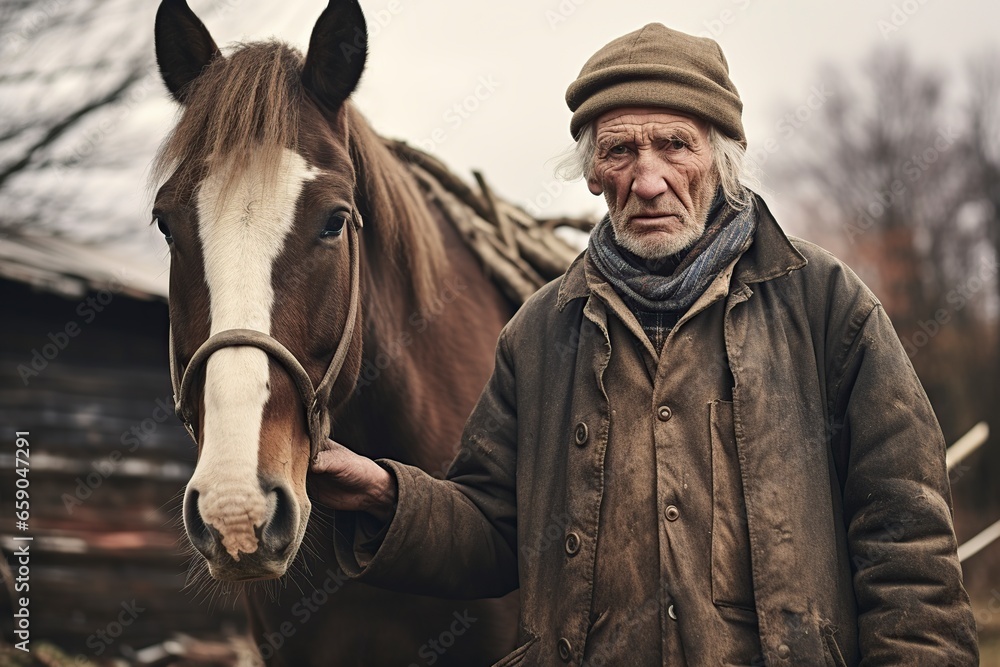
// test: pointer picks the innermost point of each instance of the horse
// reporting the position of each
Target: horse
(312, 284)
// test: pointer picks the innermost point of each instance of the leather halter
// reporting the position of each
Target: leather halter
(314, 399)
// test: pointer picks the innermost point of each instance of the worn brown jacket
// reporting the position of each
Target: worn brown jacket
(851, 548)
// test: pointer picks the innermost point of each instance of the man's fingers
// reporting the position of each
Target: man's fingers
(330, 458)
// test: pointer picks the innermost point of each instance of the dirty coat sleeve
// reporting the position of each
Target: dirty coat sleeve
(453, 537)
(912, 607)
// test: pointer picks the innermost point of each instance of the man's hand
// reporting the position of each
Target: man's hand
(344, 480)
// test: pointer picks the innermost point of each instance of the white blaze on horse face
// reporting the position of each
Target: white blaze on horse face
(241, 238)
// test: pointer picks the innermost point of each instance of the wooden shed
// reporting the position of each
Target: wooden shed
(84, 373)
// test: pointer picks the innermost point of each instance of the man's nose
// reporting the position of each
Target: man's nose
(650, 179)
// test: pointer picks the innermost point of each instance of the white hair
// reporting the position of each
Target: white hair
(737, 174)
(577, 160)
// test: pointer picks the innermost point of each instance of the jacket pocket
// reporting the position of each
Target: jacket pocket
(732, 584)
(518, 655)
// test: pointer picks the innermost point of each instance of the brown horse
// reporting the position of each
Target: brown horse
(301, 249)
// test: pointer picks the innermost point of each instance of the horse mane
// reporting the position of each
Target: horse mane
(244, 110)
(405, 231)
(246, 104)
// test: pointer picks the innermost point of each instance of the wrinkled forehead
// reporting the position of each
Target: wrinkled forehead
(636, 118)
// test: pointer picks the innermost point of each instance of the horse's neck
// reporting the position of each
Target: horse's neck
(398, 410)
(429, 336)
(424, 368)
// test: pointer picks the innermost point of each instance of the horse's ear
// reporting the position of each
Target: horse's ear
(337, 52)
(183, 46)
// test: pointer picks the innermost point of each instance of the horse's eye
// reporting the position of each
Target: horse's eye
(162, 226)
(335, 224)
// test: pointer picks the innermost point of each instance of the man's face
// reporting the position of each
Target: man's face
(654, 167)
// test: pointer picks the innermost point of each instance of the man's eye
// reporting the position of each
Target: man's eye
(677, 144)
(619, 149)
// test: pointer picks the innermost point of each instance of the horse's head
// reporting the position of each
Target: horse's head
(257, 204)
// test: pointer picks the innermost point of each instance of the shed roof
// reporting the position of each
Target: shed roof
(72, 269)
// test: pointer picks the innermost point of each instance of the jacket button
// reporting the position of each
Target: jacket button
(784, 651)
(572, 544)
(664, 413)
(565, 649)
(672, 513)
(671, 612)
(581, 433)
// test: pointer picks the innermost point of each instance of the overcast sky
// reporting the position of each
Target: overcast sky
(426, 58)
(482, 84)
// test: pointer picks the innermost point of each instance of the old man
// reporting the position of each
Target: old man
(702, 445)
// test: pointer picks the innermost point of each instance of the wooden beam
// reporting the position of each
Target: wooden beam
(967, 444)
(979, 542)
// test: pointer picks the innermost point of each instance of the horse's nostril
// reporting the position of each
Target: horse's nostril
(279, 532)
(199, 533)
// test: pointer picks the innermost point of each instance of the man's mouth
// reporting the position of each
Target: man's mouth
(650, 223)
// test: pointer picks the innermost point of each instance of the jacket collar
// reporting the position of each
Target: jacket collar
(770, 256)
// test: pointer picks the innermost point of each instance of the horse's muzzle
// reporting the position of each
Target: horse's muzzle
(277, 536)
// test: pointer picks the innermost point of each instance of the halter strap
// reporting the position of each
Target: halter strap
(314, 399)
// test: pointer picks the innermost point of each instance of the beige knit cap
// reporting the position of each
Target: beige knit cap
(659, 67)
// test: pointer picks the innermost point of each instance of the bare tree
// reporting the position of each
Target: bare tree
(65, 63)
(905, 182)
(983, 145)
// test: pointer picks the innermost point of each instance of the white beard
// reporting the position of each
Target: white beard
(658, 246)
